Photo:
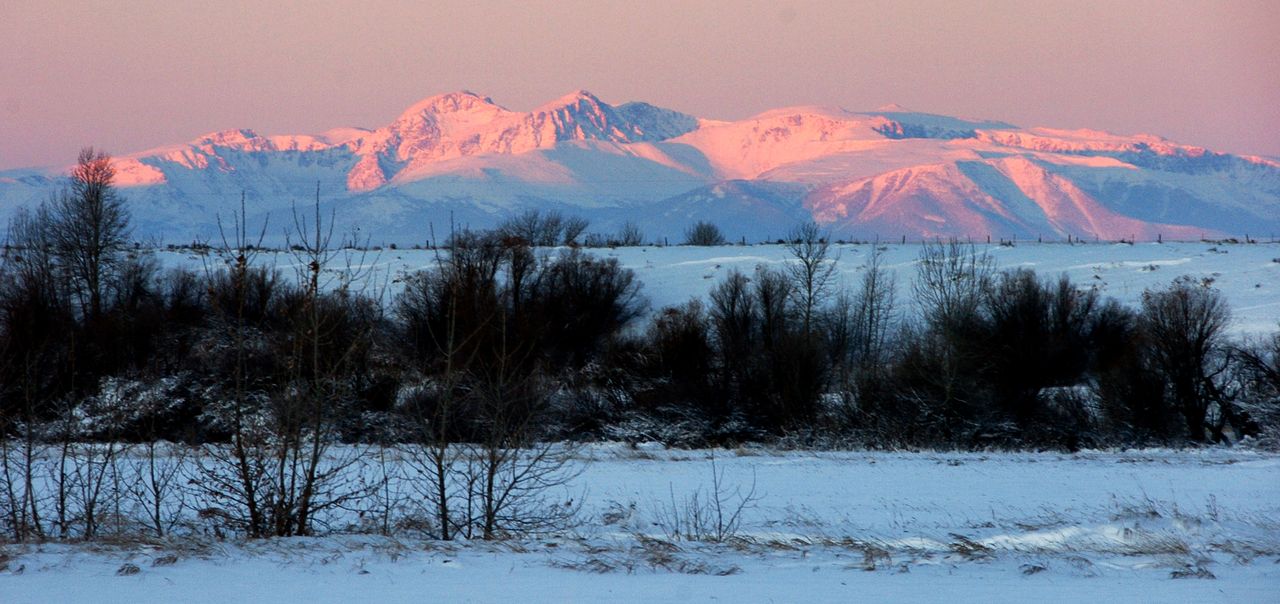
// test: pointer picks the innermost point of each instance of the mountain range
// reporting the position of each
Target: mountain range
(461, 159)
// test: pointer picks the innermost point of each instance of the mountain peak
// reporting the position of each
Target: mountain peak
(450, 102)
(573, 98)
(234, 136)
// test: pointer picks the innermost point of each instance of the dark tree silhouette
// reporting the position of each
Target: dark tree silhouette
(703, 233)
(90, 227)
(1186, 324)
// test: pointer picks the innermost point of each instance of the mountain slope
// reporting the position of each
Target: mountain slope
(461, 157)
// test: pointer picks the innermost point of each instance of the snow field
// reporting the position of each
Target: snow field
(1154, 525)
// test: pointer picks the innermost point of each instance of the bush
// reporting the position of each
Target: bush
(703, 233)
(1260, 372)
(537, 228)
(576, 304)
(629, 235)
(1130, 397)
(1186, 328)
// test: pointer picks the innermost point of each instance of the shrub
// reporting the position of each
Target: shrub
(703, 233)
(629, 235)
(1186, 328)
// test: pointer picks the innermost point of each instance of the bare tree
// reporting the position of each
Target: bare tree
(446, 315)
(537, 228)
(83, 476)
(950, 281)
(486, 474)
(703, 233)
(572, 228)
(875, 312)
(92, 480)
(811, 274)
(35, 332)
(307, 478)
(1186, 324)
(629, 235)
(446, 351)
(70, 249)
(773, 292)
(512, 470)
(235, 476)
(1260, 362)
(713, 515)
(862, 324)
(156, 485)
(90, 227)
(735, 319)
(278, 475)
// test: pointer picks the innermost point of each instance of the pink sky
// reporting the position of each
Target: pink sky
(129, 75)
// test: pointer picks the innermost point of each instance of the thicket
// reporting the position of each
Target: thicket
(98, 333)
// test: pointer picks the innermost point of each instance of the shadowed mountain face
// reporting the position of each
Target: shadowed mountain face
(464, 160)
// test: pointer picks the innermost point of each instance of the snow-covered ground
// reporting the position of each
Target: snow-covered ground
(1248, 274)
(1151, 526)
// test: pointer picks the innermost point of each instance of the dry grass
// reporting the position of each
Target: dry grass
(645, 553)
(1192, 571)
(968, 548)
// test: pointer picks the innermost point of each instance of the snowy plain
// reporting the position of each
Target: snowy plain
(1151, 526)
(820, 526)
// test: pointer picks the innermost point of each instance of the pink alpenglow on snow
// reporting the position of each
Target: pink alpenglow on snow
(889, 173)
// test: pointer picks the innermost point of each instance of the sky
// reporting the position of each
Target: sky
(131, 75)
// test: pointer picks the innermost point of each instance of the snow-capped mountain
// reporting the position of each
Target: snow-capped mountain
(462, 159)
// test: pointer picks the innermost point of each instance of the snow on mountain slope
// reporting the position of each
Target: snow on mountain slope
(784, 143)
(875, 157)
(1223, 194)
(757, 210)
(932, 200)
(889, 172)
(463, 124)
(911, 124)
(1006, 197)
(1064, 207)
(1085, 141)
(748, 148)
